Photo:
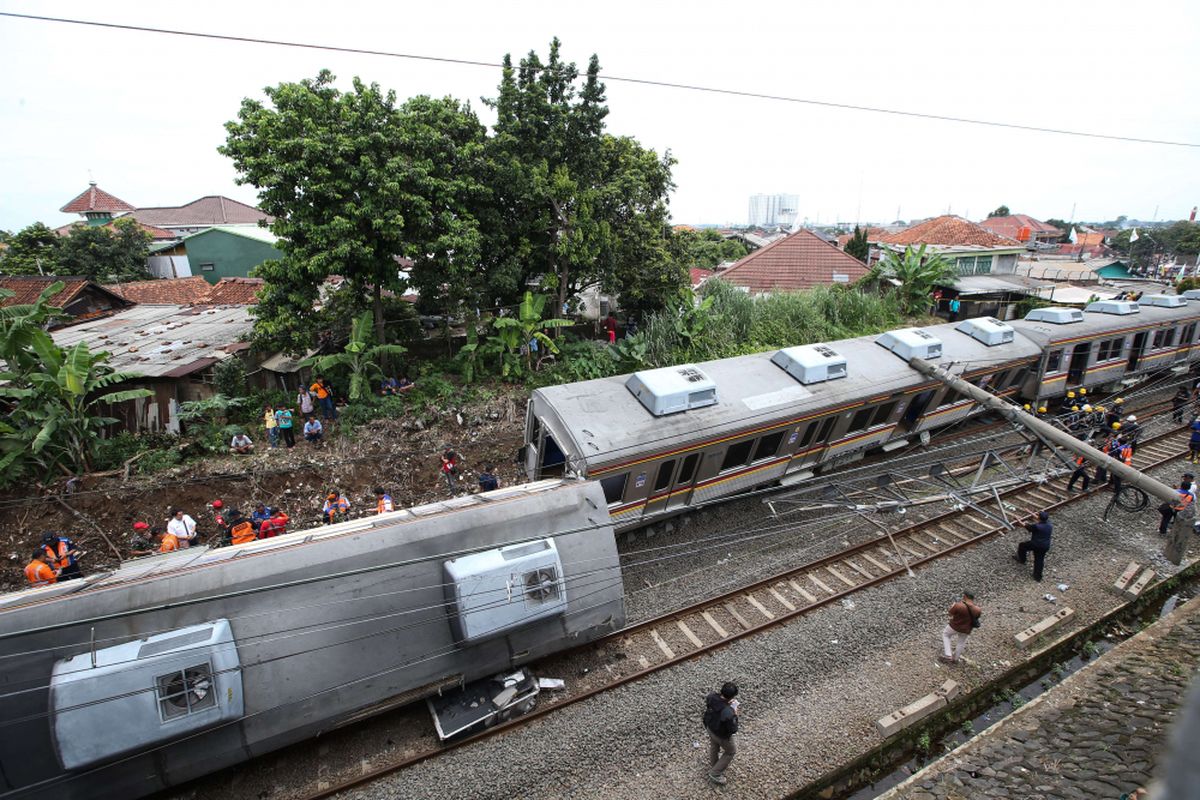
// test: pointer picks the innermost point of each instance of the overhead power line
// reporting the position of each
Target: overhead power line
(608, 77)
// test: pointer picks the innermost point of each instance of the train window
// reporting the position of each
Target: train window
(1054, 361)
(1189, 334)
(1170, 340)
(532, 425)
(664, 475)
(1110, 349)
(768, 445)
(1018, 376)
(998, 380)
(883, 413)
(859, 421)
(806, 440)
(1160, 338)
(614, 487)
(687, 469)
(737, 455)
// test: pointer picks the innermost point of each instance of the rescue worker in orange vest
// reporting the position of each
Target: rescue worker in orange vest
(167, 541)
(275, 526)
(1081, 471)
(38, 572)
(63, 555)
(383, 501)
(1123, 452)
(335, 507)
(241, 530)
(1169, 511)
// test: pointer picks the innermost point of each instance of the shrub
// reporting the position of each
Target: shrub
(229, 377)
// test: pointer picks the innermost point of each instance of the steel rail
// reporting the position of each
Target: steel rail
(708, 603)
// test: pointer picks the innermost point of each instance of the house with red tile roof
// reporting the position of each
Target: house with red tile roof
(1023, 228)
(974, 249)
(96, 205)
(166, 291)
(235, 292)
(201, 214)
(800, 260)
(79, 297)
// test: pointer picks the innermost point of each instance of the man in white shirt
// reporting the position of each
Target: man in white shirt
(183, 526)
(241, 444)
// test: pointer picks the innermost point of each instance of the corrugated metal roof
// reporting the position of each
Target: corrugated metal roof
(987, 284)
(159, 341)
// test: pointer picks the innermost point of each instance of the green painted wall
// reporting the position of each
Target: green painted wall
(231, 255)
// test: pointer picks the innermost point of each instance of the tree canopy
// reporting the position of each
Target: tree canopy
(354, 182)
(1001, 211)
(858, 245)
(97, 253)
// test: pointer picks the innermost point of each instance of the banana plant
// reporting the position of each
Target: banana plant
(360, 357)
(515, 335)
(57, 413)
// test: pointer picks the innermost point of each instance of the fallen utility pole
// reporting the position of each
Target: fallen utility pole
(1177, 542)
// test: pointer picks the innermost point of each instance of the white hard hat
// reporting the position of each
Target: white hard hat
(1087, 408)
(1131, 418)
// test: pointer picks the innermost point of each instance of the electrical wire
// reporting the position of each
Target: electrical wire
(660, 84)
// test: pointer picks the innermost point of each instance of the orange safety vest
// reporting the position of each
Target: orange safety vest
(1079, 461)
(1127, 455)
(170, 542)
(38, 574)
(58, 554)
(384, 505)
(321, 391)
(1185, 500)
(274, 526)
(243, 532)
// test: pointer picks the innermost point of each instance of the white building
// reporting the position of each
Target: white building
(768, 210)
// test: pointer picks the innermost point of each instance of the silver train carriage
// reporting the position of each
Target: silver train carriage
(661, 440)
(174, 666)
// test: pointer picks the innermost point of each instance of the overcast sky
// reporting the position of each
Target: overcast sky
(142, 113)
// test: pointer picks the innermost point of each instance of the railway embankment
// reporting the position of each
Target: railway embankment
(812, 690)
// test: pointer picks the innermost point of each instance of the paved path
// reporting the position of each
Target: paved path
(1099, 734)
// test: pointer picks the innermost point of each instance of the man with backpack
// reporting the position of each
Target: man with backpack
(721, 722)
(964, 617)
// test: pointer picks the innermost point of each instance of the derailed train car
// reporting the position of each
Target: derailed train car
(175, 666)
(661, 440)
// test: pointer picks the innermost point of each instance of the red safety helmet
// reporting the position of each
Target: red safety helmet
(140, 526)
(217, 504)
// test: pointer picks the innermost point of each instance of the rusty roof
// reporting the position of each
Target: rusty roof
(799, 260)
(211, 210)
(235, 291)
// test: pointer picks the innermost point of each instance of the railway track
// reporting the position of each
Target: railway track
(660, 642)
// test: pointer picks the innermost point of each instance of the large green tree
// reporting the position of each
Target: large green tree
(705, 248)
(97, 253)
(858, 246)
(353, 182)
(580, 207)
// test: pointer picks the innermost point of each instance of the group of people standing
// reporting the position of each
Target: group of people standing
(279, 422)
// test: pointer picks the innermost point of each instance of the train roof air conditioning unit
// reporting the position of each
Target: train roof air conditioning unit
(1164, 300)
(493, 592)
(672, 389)
(139, 694)
(988, 330)
(811, 363)
(1192, 294)
(1118, 307)
(909, 343)
(1055, 315)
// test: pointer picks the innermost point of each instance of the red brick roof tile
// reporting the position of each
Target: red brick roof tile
(799, 260)
(948, 231)
(95, 199)
(27, 289)
(235, 292)
(211, 210)
(156, 234)
(165, 291)
(1010, 226)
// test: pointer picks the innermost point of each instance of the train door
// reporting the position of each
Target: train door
(1135, 352)
(676, 483)
(1079, 363)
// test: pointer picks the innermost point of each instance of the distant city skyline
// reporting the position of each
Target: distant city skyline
(773, 209)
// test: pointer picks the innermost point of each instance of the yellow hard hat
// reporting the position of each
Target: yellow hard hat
(1101, 409)
(1074, 408)
(1041, 409)
(1026, 406)
(1071, 394)
(1082, 390)
(1119, 400)
(1116, 426)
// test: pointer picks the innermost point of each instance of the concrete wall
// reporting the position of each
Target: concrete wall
(217, 254)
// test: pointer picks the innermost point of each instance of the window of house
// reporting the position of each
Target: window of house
(768, 445)
(664, 475)
(737, 455)
(883, 413)
(965, 265)
(207, 267)
(614, 487)
(1054, 361)
(983, 265)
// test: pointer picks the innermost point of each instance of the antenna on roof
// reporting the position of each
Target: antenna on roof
(91, 178)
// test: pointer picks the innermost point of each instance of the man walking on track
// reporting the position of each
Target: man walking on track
(721, 722)
(964, 617)
(1039, 543)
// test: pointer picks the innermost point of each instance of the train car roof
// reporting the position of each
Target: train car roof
(1096, 324)
(608, 422)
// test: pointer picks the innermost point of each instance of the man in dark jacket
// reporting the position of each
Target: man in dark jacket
(1039, 543)
(721, 722)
